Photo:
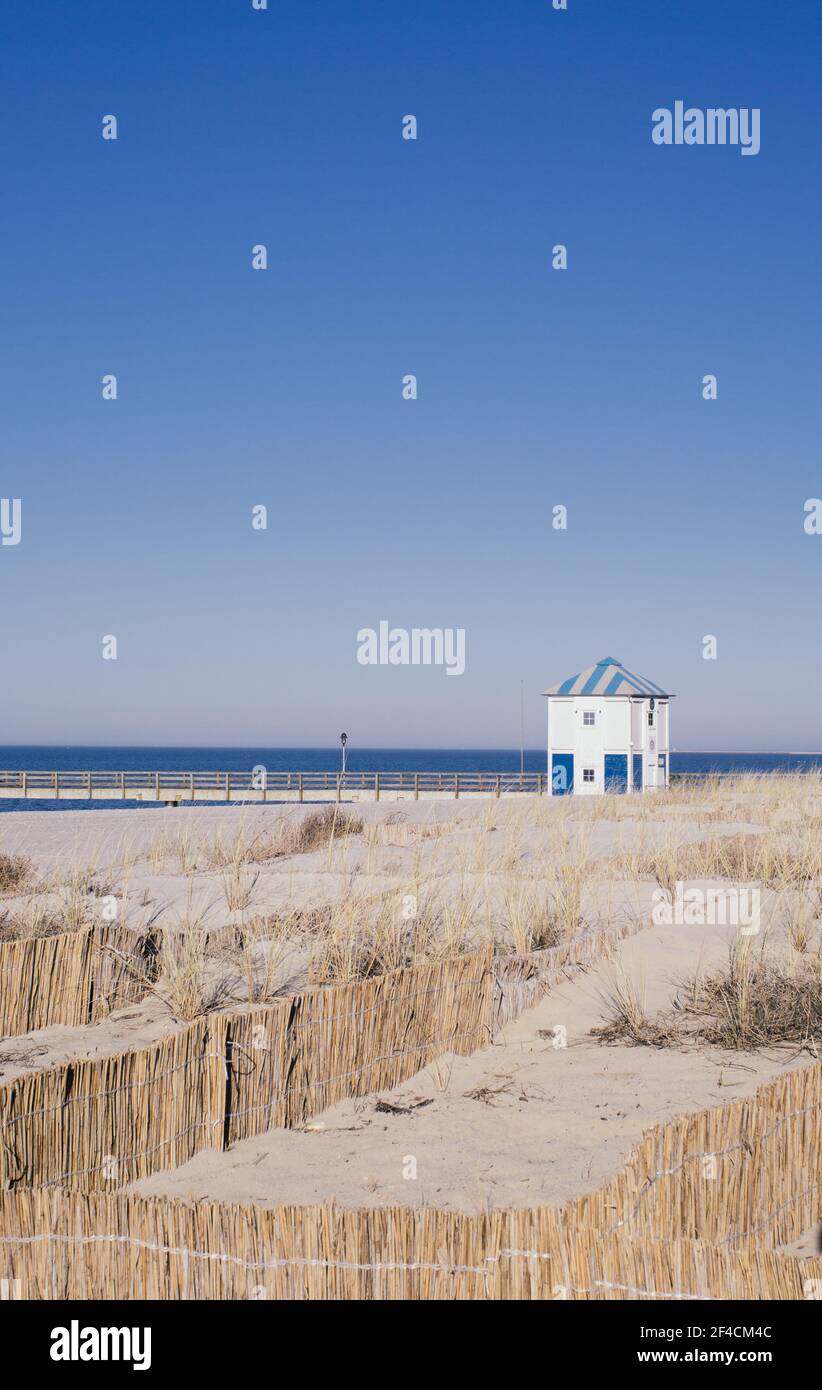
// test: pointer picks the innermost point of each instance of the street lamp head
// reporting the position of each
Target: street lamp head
(343, 739)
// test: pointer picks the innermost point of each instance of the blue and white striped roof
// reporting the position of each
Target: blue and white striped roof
(608, 677)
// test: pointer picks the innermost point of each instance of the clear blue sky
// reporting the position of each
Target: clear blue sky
(388, 257)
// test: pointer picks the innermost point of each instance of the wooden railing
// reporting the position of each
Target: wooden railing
(168, 785)
(232, 786)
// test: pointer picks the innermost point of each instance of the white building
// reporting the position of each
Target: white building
(607, 732)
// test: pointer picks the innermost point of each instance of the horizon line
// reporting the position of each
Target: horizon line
(408, 748)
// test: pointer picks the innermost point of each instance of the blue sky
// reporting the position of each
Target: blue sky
(387, 257)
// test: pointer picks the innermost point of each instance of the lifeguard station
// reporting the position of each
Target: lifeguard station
(607, 732)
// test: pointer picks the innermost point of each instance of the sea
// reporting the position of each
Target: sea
(47, 758)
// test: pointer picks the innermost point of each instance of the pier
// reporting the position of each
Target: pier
(176, 787)
(172, 788)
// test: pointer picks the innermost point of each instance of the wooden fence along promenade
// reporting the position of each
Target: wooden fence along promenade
(666, 1226)
(249, 786)
(174, 787)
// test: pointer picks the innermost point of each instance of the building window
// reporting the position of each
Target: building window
(650, 719)
(589, 717)
(587, 774)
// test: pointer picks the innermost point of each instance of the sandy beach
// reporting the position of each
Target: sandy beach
(546, 1110)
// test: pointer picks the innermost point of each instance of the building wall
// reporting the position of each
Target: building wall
(568, 733)
(652, 741)
(621, 726)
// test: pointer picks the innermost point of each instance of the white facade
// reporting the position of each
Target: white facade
(614, 737)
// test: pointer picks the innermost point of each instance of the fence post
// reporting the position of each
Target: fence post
(456, 786)
(416, 786)
(301, 786)
(25, 783)
(376, 786)
(88, 779)
(497, 791)
(339, 779)
(192, 786)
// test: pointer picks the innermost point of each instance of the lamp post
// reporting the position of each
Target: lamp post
(343, 741)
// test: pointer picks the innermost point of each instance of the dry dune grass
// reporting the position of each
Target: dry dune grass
(52, 908)
(358, 938)
(262, 952)
(762, 996)
(772, 859)
(33, 919)
(239, 886)
(800, 914)
(425, 916)
(15, 872)
(201, 971)
(767, 798)
(626, 1018)
(355, 936)
(288, 834)
(320, 828)
(176, 850)
(533, 920)
(398, 832)
(193, 980)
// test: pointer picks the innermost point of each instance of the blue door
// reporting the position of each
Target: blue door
(663, 767)
(616, 772)
(562, 773)
(637, 772)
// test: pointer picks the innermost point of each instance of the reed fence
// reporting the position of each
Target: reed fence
(100, 1123)
(64, 1245)
(292, 1059)
(73, 977)
(692, 1214)
(746, 1171)
(95, 1124)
